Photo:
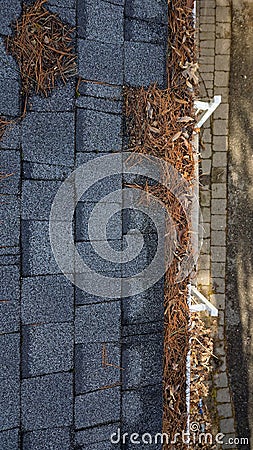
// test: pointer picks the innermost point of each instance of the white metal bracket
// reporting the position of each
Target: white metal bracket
(204, 304)
(208, 107)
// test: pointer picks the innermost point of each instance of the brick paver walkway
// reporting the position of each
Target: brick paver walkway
(215, 40)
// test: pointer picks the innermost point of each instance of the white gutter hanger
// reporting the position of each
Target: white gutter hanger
(208, 107)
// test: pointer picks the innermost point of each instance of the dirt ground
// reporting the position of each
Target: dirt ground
(239, 312)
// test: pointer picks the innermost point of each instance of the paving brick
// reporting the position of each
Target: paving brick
(220, 159)
(97, 408)
(207, 35)
(205, 198)
(104, 323)
(98, 131)
(145, 64)
(47, 401)
(218, 300)
(223, 2)
(107, 66)
(223, 30)
(49, 138)
(153, 11)
(220, 127)
(224, 410)
(206, 11)
(207, 27)
(46, 349)
(206, 151)
(206, 68)
(105, 91)
(221, 381)
(207, 60)
(206, 19)
(223, 395)
(224, 92)
(206, 136)
(10, 220)
(96, 434)
(208, 43)
(9, 299)
(204, 262)
(222, 364)
(208, 79)
(142, 361)
(218, 237)
(10, 167)
(206, 214)
(227, 443)
(34, 171)
(206, 230)
(203, 277)
(37, 199)
(223, 14)
(221, 78)
(142, 410)
(101, 21)
(219, 174)
(205, 249)
(218, 254)
(38, 258)
(219, 190)
(221, 318)
(218, 285)
(220, 143)
(141, 31)
(218, 222)
(90, 374)
(219, 206)
(222, 65)
(61, 98)
(55, 439)
(222, 112)
(47, 299)
(227, 425)
(9, 440)
(207, 52)
(222, 46)
(218, 270)
(221, 332)
(206, 166)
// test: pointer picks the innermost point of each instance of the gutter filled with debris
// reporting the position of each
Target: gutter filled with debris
(163, 123)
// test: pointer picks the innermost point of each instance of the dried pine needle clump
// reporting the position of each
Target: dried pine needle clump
(43, 48)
